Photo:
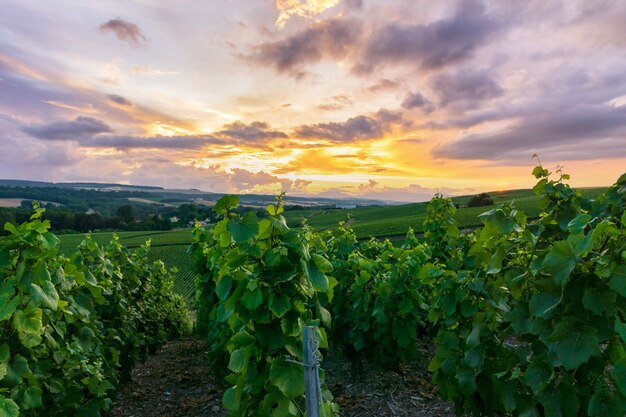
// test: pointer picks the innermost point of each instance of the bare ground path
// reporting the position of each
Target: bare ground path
(178, 382)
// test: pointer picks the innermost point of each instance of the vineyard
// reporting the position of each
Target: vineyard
(170, 247)
(71, 328)
(528, 317)
(527, 313)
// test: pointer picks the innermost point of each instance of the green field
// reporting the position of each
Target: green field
(387, 221)
(379, 221)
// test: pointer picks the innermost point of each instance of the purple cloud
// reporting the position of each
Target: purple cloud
(331, 38)
(431, 46)
(76, 129)
(124, 31)
(595, 131)
(356, 128)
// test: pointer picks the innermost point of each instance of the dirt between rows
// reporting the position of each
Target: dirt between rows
(178, 382)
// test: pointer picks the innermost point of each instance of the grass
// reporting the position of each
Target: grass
(380, 221)
(384, 221)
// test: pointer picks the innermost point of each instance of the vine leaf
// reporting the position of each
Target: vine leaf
(8, 408)
(287, 377)
(572, 345)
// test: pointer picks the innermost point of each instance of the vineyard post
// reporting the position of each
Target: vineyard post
(310, 375)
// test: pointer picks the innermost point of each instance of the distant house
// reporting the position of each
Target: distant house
(174, 219)
(345, 206)
(203, 223)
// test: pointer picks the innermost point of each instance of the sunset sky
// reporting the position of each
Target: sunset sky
(374, 98)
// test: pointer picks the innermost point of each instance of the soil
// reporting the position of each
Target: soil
(178, 382)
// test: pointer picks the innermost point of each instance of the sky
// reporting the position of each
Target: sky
(385, 99)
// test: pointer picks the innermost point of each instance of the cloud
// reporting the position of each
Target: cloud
(412, 193)
(246, 180)
(431, 46)
(120, 100)
(124, 31)
(356, 128)
(337, 102)
(371, 184)
(330, 38)
(148, 70)
(80, 127)
(468, 86)
(595, 131)
(297, 186)
(190, 142)
(253, 132)
(417, 100)
(90, 132)
(383, 85)
(302, 8)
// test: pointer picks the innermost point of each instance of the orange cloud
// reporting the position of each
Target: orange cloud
(305, 8)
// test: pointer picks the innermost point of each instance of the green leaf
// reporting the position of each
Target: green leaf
(242, 339)
(232, 398)
(620, 328)
(252, 299)
(473, 340)
(315, 276)
(578, 224)
(597, 300)
(603, 405)
(560, 261)
(5, 355)
(46, 296)
(495, 264)
(322, 263)
(5, 259)
(8, 305)
(239, 360)
(8, 408)
(280, 305)
(222, 288)
(617, 281)
(619, 376)
(541, 305)
(28, 321)
(17, 370)
(537, 375)
(245, 229)
(539, 172)
(226, 203)
(573, 344)
(324, 315)
(30, 398)
(466, 378)
(287, 377)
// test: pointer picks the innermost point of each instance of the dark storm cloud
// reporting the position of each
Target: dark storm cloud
(78, 128)
(124, 31)
(594, 131)
(355, 128)
(417, 100)
(123, 101)
(332, 38)
(430, 46)
(466, 86)
(253, 132)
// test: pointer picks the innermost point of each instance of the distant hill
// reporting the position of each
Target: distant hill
(140, 194)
